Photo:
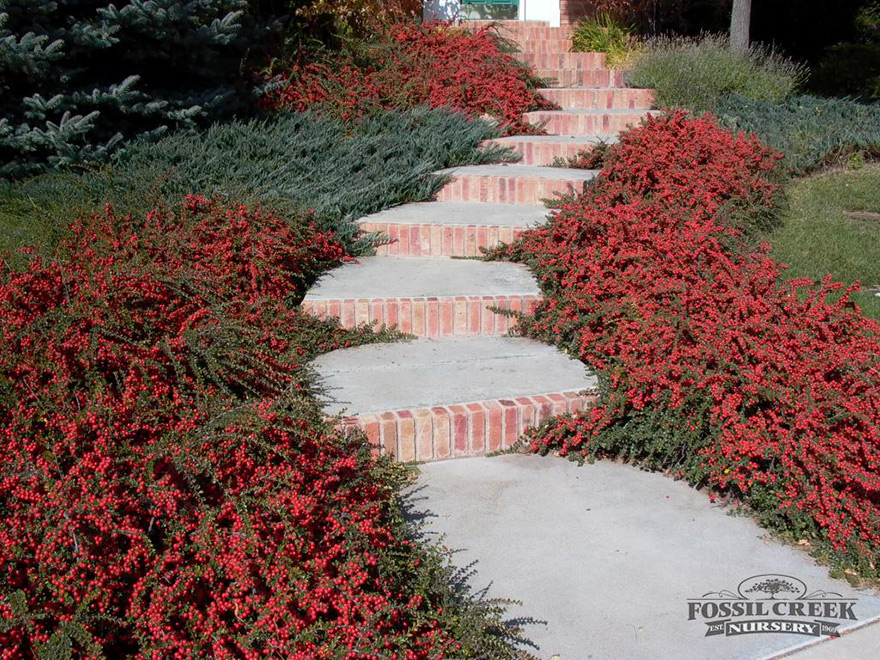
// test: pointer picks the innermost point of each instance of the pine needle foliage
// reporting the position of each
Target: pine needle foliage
(812, 132)
(290, 163)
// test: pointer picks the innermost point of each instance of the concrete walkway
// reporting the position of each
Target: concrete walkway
(609, 555)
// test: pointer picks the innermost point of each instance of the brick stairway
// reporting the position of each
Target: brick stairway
(463, 387)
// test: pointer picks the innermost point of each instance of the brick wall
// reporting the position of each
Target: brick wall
(571, 11)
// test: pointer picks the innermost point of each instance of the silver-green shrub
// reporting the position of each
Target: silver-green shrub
(697, 73)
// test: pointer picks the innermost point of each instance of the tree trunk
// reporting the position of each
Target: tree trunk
(740, 18)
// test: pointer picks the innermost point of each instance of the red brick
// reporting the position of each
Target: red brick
(391, 312)
(558, 402)
(474, 309)
(543, 408)
(488, 318)
(388, 434)
(370, 425)
(405, 318)
(419, 326)
(511, 422)
(494, 426)
(442, 432)
(459, 318)
(347, 320)
(377, 311)
(459, 428)
(476, 428)
(502, 321)
(527, 413)
(433, 318)
(361, 311)
(406, 436)
(394, 235)
(424, 431)
(447, 317)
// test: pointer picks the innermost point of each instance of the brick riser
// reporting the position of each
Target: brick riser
(544, 153)
(525, 34)
(440, 240)
(600, 99)
(470, 429)
(429, 317)
(505, 190)
(582, 78)
(578, 61)
(545, 46)
(584, 124)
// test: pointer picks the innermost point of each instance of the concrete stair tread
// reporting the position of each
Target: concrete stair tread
(523, 171)
(532, 528)
(460, 213)
(439, 372)
(383, 277)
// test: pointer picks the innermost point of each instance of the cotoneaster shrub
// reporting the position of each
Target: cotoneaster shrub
(168, 486)
(710, 367)
(409, 65)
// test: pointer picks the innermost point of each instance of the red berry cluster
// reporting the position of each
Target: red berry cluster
(410, 65)
(167, 488)
(712, 366)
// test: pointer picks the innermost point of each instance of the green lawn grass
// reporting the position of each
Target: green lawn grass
(819, 236)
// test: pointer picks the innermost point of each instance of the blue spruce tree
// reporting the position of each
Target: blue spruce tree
(80, 77)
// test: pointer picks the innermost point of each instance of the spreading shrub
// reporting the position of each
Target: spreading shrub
(697, 73)
(168, 486)
(812, 132)
(289, 162)
(710, 367)
(408, 65)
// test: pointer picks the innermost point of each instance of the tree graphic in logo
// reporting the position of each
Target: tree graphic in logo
(773, 586)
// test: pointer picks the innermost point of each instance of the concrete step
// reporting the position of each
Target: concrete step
(586, 122)
(578, 61)
(531, 527)
(545, 149)
(511, 184)
(599, 98)
(439, 398)
(425, 296)
(453, 229)
(582, 78)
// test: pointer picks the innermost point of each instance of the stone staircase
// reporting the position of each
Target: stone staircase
(464, 387)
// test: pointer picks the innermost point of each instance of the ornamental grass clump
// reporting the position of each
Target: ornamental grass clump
(606, 34)
(710, 367)
(409, 65)
(698, 73)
